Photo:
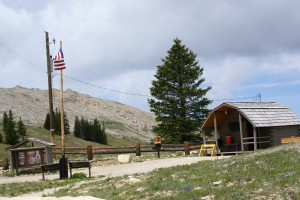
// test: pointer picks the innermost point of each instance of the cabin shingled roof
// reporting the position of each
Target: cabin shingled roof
(266, 114)
(27, 140)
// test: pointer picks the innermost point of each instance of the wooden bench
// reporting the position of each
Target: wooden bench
(290, 140)
(208, 147)
(79, 164)
(49, 167)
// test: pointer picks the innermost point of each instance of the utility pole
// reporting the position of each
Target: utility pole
(49, 88)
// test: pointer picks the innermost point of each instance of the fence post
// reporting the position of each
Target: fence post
(89, 152)
(138, 149)
(186, 148)
(5, 163)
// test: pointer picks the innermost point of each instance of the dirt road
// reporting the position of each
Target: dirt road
(108, 171)
(117, 170)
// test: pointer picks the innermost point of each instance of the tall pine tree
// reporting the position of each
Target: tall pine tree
(178, 101)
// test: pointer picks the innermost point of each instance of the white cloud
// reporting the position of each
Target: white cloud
(118, 44)
(227, 75)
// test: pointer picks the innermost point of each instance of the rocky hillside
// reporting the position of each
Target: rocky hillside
(32, 105)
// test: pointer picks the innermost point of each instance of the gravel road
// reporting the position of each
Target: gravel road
(108, 171)
(117, 170)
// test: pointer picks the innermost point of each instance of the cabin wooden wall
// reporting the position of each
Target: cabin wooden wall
(283, 131)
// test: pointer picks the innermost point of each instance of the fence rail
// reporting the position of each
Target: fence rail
(89, 151)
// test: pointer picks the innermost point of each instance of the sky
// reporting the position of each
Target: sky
(112, 48)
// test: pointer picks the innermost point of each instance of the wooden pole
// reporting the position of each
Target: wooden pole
(241, 132)
(49, 88)
(62, 115)
(62, 121)
(204, 137)
(63, 162)
(138, 149)
(187, 148)
(216, 129)
(255, 138)
(89, 152)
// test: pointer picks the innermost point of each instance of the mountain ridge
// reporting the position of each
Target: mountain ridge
(32, 105)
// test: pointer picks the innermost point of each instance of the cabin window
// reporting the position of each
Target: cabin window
(233, 126)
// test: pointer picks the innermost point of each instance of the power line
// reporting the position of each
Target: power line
(86, 83)
(112, 90)
(104, 88)
(241, 98)
(90, 84)
(24, 58)
(258, 96)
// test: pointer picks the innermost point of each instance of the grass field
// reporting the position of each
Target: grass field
(267, 174)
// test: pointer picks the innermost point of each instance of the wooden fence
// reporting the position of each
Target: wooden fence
(138, 149)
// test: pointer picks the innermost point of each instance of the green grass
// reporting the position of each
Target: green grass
(268, 174)
(115, 125)
(265, 175)
(16, 189)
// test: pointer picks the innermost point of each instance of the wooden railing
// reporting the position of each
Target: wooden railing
(259, 141)
(89, 151)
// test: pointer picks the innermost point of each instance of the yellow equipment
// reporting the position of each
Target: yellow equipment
(157, 140)
(208, 147)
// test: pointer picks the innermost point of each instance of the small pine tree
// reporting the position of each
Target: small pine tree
(77, 127)
(56, 122)
(66, 124)
(88, 128)
(103, 135)
(21, 129)
(47, 122)
(5, 122)
(82, 127)
(97, 131)
(11, 135)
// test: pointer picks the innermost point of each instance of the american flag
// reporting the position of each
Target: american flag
(59, 62)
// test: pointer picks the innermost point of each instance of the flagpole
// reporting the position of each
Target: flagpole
(63, 160)
(62, 121)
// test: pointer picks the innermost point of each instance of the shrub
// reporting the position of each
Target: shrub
(79, 175)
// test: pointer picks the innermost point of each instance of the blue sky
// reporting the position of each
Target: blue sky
(246, 47)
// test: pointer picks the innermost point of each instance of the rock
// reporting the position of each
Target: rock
(124, 158)
(208, 198)
(143, 127)
(217, 183)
